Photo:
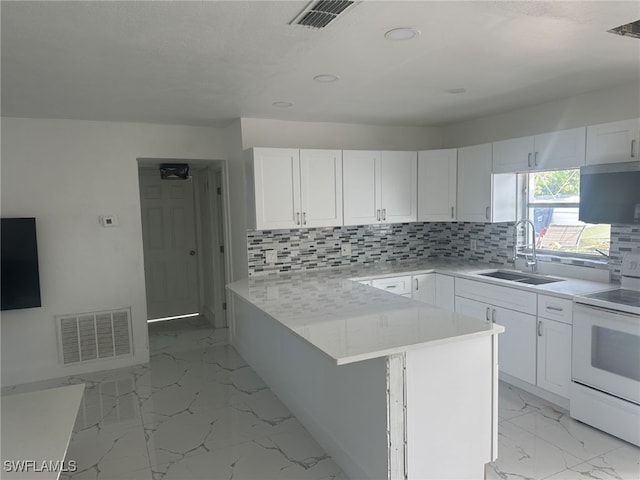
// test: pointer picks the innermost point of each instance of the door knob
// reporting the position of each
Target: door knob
(192, 252)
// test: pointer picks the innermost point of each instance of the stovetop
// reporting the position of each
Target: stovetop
(620, 296)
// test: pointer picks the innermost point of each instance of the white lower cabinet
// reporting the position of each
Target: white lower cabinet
(424, 288)
(434, 289)
(517, 345)
(555, 316)
(554, 356)
(536, 344)
(398, 285)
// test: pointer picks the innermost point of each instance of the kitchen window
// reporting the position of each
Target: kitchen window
(551, 201)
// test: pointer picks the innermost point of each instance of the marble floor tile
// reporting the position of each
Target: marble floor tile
(290, 456)
(109, 452)
(558, 428)
(197, 410)
(188, 434)
(182, 335)
(620, 464)
(515, 402)
(523, 455)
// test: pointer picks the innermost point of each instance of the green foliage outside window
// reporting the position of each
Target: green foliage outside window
(556, 185)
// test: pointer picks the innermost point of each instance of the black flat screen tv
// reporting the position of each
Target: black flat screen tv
(20, 278)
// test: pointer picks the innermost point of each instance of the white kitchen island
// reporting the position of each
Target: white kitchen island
(390, 387)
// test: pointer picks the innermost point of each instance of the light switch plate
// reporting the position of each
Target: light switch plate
(271, 256)
(474, 244)
(345, 249)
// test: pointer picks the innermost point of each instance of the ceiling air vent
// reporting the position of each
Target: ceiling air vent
(319, 14)
(628, 30)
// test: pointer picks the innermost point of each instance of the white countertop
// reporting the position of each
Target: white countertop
(37, 426)
(351, 322)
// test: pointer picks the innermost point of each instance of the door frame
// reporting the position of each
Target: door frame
(221, 276)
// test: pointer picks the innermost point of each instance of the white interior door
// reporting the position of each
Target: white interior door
(169, 239)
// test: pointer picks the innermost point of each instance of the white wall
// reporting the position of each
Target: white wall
(278, 133)
(237, 203)
(600, 106)
(66, 173)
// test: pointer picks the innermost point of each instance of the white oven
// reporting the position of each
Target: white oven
(606, 351)
(605, 358)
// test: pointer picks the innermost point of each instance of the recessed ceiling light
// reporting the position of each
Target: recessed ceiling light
(282, 104)
(404, 33)
(456, 91)
(326, 78)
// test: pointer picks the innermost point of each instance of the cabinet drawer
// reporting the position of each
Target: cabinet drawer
(397, 285)
(512, 298)
(554, 308)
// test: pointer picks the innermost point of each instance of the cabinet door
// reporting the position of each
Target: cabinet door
(445, 292)
(437, 179)
(424, 288)
(360, 187)
(517, 345)
(613, 142)
(474, 183)
(554, 356)
(321, 187)
(559, 150)
(277, 188)
(398, 186)
(513, 155)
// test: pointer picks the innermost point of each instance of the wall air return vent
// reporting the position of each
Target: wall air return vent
(627, 30)
(319, 14)
(87, 337)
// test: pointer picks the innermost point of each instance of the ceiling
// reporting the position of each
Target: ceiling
(207, 63)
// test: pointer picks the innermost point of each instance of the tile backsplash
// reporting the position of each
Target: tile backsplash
(624, 238)
(305, 249)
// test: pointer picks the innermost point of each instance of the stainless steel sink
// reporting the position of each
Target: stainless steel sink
(520, 277)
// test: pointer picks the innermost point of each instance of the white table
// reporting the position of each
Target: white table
(37, 426)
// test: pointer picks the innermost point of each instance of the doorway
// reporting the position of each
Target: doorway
(184, 232)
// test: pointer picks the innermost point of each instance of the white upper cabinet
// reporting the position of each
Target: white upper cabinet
(398, 186)
(379, 187)
(613, 142)
(360, 170)
(560, 150)
(549, 151)
(321, 187)
(513, 155)
(437, 185)
(296, 188)
(483, 197)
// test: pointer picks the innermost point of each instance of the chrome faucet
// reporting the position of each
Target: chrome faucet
(533, 262)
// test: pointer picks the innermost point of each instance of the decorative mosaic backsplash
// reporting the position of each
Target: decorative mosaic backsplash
(624, 238)
(306, 249)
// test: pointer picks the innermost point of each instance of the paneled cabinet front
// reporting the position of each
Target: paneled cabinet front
(297, 188)
(613, 142)
(548, 151)
(483, 197)
(379, 187)
(437, 179)
(517, 345)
